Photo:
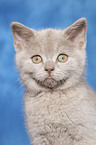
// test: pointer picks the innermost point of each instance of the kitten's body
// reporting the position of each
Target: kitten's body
(63, 117)
(60, 110)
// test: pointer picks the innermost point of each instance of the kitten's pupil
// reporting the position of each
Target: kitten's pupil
(63, 57)
(36, 58)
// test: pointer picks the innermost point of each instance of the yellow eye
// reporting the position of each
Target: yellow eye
(36, 59)
(62, 58)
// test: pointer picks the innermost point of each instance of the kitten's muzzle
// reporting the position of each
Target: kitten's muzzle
(49, 70)
(49, 66)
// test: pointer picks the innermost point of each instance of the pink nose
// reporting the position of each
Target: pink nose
(49, 69)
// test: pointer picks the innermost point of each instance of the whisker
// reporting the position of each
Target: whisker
(22, 85)
(14, 82)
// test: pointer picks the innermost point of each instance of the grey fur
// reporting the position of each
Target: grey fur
(60, 110)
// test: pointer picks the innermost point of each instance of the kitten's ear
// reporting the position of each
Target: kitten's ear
(77, 32)
(21, 35)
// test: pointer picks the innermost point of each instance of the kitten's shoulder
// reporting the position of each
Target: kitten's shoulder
(90, 91)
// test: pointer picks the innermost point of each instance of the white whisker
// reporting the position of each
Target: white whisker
(22, 85)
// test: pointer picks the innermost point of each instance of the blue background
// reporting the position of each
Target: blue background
(36, 14)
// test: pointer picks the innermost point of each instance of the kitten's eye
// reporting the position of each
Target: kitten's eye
(62, 58)
(36, 59)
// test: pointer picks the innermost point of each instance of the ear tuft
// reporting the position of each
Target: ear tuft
(21, 30)
(21, 35)
(80, 26)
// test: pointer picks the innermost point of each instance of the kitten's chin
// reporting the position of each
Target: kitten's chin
(51, 82)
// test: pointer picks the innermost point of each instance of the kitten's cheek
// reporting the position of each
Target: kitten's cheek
(57, 77)
(41, 77)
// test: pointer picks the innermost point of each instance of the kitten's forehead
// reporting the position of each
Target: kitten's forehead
(50, 42)
(49, 39)
(50, 32)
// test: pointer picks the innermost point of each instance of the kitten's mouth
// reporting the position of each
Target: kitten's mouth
(51, 82)
(49, 78)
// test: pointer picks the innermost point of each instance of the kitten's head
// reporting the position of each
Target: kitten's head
(50, 58)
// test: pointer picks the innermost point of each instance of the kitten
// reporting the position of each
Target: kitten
(60, 107)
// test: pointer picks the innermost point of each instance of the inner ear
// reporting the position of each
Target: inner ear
(22, 31)
(77, 31)
(21, 34)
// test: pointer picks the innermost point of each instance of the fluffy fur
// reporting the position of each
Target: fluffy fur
(60, 110)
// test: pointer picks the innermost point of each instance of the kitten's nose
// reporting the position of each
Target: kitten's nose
(49, 66)
(49, 69)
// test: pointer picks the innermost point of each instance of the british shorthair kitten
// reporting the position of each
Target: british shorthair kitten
(60, 108)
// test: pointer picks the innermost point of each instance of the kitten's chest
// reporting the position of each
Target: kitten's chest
(55, 115)
(53, 107)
